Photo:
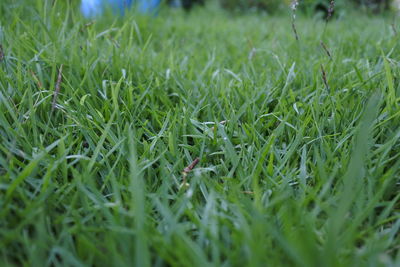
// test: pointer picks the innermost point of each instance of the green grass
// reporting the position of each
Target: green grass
(302, 173)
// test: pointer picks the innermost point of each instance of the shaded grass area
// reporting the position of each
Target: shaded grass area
(299, 151)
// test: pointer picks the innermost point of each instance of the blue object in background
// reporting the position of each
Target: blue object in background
(146, 6)
(91, 8)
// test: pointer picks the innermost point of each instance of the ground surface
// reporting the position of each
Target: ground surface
(299, 151)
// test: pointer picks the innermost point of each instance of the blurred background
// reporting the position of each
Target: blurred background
(273, 6)
(319, 8)
(309, 5)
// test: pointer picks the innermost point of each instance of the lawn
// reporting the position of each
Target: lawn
(102, 121)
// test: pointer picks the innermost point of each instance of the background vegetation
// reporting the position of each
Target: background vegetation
(309, 6)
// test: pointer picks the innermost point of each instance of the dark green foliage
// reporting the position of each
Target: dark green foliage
(377, 5)
(242, 5)
(310, 7)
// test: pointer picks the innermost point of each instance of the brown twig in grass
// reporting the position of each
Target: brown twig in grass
(326, 50)
(191, 166)
(324, 77)
(293, 6)
(1, 53)
(187, 170)
(57, 88)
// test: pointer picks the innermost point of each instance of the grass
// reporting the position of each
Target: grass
(299, 151)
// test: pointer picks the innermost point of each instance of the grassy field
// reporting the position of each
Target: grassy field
(101, 119)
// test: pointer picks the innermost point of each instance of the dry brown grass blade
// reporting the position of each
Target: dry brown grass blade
(326, 50)
(1, 53)
(324, 77)
(187, 170)
(39, 84)
(57, 88)
(191, 166)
